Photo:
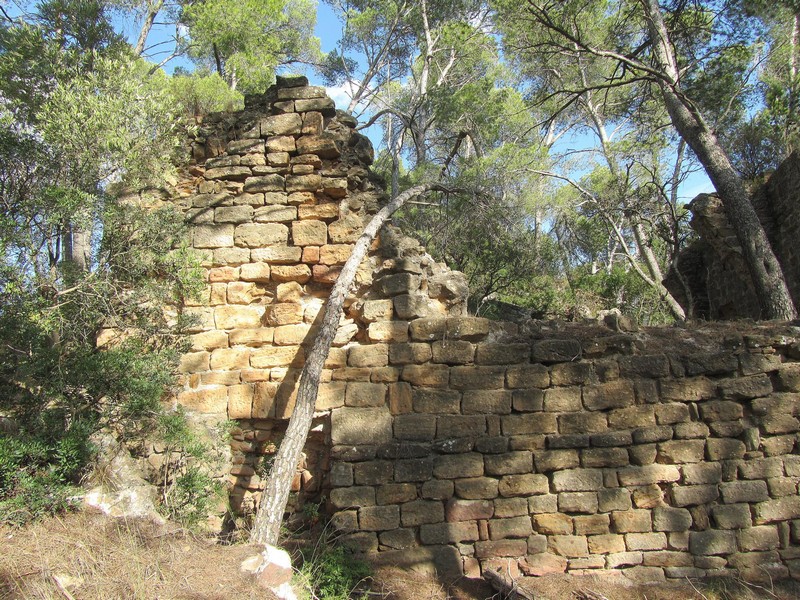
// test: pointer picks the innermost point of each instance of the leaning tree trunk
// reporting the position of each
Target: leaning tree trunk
(765, 271)
(276, 493)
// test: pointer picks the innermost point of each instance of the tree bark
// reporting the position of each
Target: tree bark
(276, 493)
(765, 271)
(149, 19)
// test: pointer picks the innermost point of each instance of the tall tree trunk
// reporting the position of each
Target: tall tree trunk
(152, 10)
(276, 493)
(766, 273)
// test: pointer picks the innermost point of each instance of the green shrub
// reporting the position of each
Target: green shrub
(330, 571)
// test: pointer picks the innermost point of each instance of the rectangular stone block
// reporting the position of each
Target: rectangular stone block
(508, 463)
(577, 502)
(562, 399)
(631, 521)
(436, 401)
(516, 527)
(577, 480)
(486, 402)
(614, 394)
(529, 424)
(458, 465)
(712, 543)
(476, 488)
(645, 541)
(426, 375)
(415, 427)
(378, 518)
(458, 426)
(476, 378)
(449, 533)
(525, 484)
(360, 426)
(744, 491)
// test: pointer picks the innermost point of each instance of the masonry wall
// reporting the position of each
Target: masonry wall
(456, 443)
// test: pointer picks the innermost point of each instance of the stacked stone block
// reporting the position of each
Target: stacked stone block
(562, 455)
(454, 441)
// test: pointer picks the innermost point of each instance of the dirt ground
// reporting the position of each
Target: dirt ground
(86, 556)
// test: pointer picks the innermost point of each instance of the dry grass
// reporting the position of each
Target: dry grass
(88, 556)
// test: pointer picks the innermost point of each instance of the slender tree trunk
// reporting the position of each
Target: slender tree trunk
(276, 494)
(766, 273)
(218, 61)
(791, 118)
(150, 17)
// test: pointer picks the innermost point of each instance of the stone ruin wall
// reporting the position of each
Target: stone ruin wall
(451, 442)
(713, 265)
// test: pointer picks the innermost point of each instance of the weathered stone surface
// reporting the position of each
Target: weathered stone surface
(361, 426)
(712, 542)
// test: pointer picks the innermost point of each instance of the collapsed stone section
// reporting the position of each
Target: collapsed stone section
(276, 195)
(456, 442)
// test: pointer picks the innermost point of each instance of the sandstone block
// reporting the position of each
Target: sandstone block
(703, 473)
(365, 394)
(420, 512)
(360, 426)
(230, 358)
(631, 521)
(690, 389)
(411, 306)
(555, 351)
(645, 475)
(781, 509)
(614, 394)
(744, 491)
(498, 548)
(531, 400)
(458, 426)
(613, 499)
(453, 352)
(285, 273)
(257, 235)
(516, 527)
(604, 457)
(373, 472)
(525, 484)
(553, 523)
(577, 502)
(623, 559)
(403, 354)
(577, 480)
(468, 510)
(413, 469)
(732, 516)
(714, 543)
(458, 465)
(694, 495)
(582, 422)
(570, 546)
(724, 449)
(556, 460)
(388, 331)
(475, 378)
(562, 399)
(592, 524)
(531, 423)
(508, 463)
(415, 427)
(538, 565)
(606, 543)
(762, 537)
(378, 518)
(449, 533)
(212, 236)
(285, 124)
(489, 353)
(645, 541)
(398, 538)
(510, 507)
(292, 335)
(373, 355)
(681, 451)
(476, 488)
(377, 310)
(631, 417)
(238, 317)
(426, 375)
(486, 402)
(667, 518)
(233, 214)
(264, 183)
(436, 401)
